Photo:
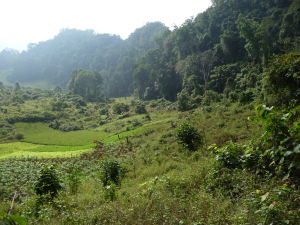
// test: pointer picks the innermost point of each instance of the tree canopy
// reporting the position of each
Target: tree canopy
(87, 84)
(224, 49)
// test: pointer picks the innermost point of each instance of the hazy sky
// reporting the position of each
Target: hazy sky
(30, 21)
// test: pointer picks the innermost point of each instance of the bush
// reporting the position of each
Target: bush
(120, 108)
(282, 80)
(111, 173)
(230, 182)
(230, 156)
(48, 184)
(276, 152)
(19, 136)
(74, 178)
(184, 101)
(189, 137)
(280, 144)
(58, 105)
(32, 117)
(210, 97)
(6, 219)
(279, 205)
(70, 127)
(140, 109)
(246, 97)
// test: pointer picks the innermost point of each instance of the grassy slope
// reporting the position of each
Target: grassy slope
(44, 142)
(164, 183)
(40, 133)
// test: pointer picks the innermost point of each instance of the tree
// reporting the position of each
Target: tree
(48, 184)
(189, 137)
(87, 84)
(221, 75)
(17, 87)
(282, 80)
(248, 29)
(120, 108)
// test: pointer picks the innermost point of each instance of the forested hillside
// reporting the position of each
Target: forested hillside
(224, 50)
(54, 60)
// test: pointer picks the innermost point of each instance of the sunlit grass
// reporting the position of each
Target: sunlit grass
(22, 149)
(40, 133)
(63, 154)
(10, 148)
(57, 148)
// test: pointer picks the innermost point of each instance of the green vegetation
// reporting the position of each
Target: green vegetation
(48, 185)
(120, 108)
(209, 134)
(9, 148)
(189, 137)
(86, 84)
(40, 133)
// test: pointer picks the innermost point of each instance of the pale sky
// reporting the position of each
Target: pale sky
(30, 21)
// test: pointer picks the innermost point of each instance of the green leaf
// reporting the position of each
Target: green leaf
(291, 165)
(288, 153)
(297, 149)
(18, 219)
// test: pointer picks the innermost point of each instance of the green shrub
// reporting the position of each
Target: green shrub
(184, 101)
(70, 127)
(276, 152)
(246, 96)
(140, 109)
(58, 105)
(6, 219)
(120, 108)
(189, 137)
(210, 97)
(74, 178)
(280, 143)
(19, 136)
(110, 192)
(282, 80)
(232, 183)
(230, 156)
(47, 185)
(111, 173)
(279, 205)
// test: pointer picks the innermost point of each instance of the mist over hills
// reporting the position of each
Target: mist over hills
(52, 61)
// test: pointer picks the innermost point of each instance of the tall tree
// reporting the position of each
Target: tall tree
(87, 84)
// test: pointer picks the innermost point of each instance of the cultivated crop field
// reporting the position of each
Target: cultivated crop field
(40, 133)
(41, 141)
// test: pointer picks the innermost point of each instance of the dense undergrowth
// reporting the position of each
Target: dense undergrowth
(141, 175)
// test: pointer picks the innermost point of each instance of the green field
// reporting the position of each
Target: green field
(43, 142)
(23, 149)
(40, 133)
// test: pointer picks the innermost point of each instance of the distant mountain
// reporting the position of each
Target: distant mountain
(53, 61)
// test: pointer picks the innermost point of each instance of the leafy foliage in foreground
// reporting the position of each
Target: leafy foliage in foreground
(277, 152)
